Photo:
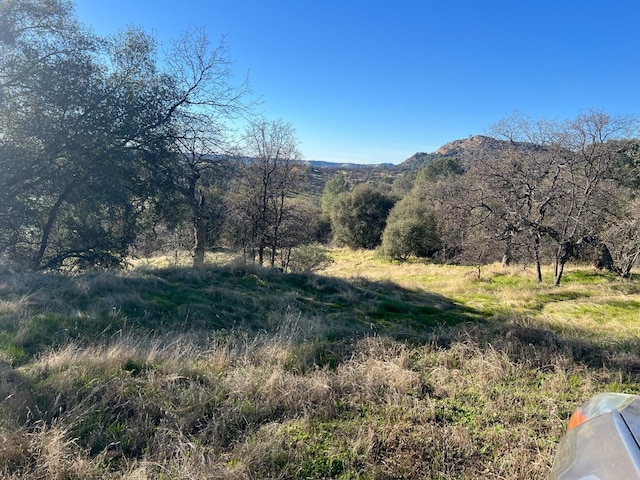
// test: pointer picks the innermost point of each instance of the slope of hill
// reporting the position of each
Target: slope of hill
(235, 372)
(471, 149)
(467, 151)
(355, 174)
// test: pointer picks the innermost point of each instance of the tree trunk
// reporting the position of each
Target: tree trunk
(199, 246)
(564, 253)
(536, 252)
(538, 270)
(286, 259)
(558, 269)
(199, 232)
(557, 272)
(261, 255)
(46, 232)
(272, 258)
(507, 256)
(604, 260)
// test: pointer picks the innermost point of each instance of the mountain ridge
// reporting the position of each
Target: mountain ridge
(467, 149)
(328, 164)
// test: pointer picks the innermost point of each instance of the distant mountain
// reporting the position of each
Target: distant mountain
(471, 149)
(467, 151)
(318, 172)
(338, 165)
(416, 161)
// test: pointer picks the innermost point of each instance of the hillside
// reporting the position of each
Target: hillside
(348, 166)
(472, 149)
(369, 370)
(379, 174)
(468, 151)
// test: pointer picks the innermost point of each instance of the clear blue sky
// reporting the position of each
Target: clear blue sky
(376, 81)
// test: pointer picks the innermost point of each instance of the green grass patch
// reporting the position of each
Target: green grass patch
(588, 277)
(94, 307)
(605, 312)
(310, 449)
(540, 301)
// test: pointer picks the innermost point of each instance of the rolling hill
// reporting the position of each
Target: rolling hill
(467, 151)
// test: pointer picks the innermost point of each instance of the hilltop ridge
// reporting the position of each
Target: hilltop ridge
(470, 145)
(468, 151)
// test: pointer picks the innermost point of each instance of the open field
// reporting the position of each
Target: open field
(367, 370)
(589, 303)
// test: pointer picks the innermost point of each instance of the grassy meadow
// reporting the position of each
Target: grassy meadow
(369, 369)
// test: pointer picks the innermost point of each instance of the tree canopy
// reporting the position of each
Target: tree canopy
(94, 132)
(359, 216)
(411, 229)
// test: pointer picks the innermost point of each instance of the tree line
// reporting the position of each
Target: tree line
(550, 191)
(112, 147)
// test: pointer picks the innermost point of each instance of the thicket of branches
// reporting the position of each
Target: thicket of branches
(549, 192)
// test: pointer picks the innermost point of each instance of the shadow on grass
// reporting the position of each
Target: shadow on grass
(46, 311)
(542, 348)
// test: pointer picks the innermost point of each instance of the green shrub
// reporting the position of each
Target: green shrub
(359, 217)
(411, 230)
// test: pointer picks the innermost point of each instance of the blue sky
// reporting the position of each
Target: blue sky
(376, 81)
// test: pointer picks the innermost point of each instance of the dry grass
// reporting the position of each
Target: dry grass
(470, 404)
(486, 399)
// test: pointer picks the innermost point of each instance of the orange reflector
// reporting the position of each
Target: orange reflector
(578, 418)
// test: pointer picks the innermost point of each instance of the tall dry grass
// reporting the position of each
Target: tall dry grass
(473, 403)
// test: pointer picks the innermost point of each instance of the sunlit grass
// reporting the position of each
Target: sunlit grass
(600, 305)
(371, 370)
(183, 258)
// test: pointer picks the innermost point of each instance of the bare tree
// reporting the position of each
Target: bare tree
(512, 192)
(586, 181)
(270, 177)
(553, 179)
(207, 100)
(299, 228)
